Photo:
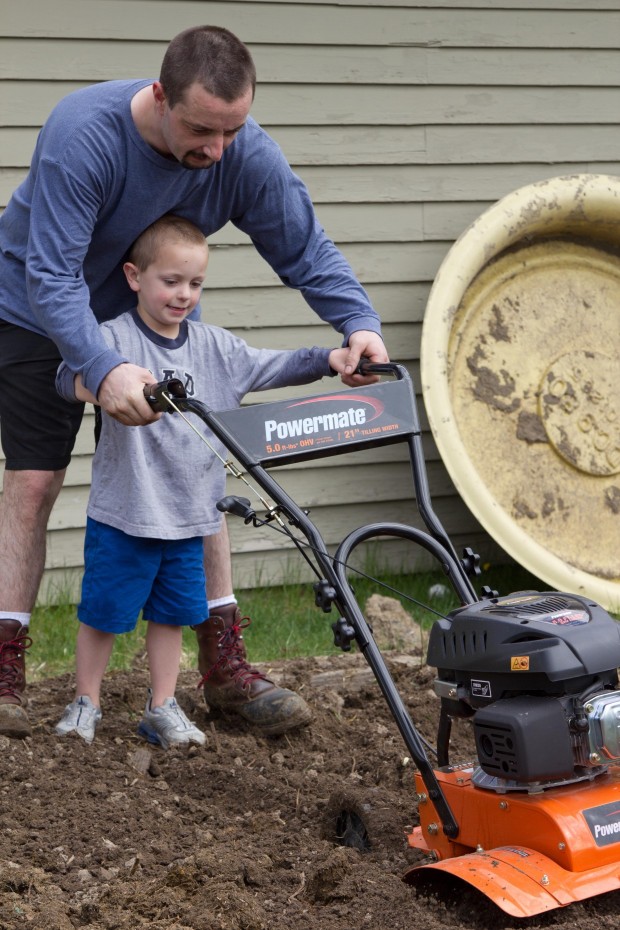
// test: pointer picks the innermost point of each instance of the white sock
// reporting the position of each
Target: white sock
(24, 619)
(221, 602)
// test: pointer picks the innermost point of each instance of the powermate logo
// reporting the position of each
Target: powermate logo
(351, 418)
(604, 823)
(566, 618)
(322, 424)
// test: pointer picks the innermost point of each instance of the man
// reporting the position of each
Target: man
(110, 160)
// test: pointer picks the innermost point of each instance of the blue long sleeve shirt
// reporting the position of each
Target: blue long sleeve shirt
(95, 184)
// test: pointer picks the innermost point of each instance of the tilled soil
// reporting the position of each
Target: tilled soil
(238, 835)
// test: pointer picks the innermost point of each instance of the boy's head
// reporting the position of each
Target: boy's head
(166, 269)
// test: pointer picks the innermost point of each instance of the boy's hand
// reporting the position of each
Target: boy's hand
(361, 343)
(121, 395)
(338, 360)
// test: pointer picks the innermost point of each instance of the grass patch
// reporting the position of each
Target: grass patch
(286, 623)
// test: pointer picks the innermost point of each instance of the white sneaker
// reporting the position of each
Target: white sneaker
(168, 726)
(81, 717)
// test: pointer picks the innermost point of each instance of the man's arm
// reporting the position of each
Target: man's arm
(63, 216)
(121, 394)
(72, 187)
(362, 344)
(282, 223)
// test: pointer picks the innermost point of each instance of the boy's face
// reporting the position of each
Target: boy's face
(170, 287)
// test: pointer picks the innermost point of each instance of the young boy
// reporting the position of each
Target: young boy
(154, 488)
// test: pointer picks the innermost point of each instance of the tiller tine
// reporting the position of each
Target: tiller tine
(521, 881)
(575, 828)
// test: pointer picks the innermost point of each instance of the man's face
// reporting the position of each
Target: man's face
(199, 129)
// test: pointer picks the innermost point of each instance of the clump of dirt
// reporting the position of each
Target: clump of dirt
(240, 834)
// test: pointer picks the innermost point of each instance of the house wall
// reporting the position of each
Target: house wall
(406, 121)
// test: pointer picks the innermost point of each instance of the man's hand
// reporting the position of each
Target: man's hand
(362, 343)
(121, 395)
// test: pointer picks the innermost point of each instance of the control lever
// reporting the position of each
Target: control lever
(238, 506)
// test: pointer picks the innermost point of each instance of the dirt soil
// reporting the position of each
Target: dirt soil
(240, 834)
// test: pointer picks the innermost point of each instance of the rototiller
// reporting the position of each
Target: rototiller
(534, 822)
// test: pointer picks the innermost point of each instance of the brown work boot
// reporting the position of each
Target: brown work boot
(14, 641)
(231, 684)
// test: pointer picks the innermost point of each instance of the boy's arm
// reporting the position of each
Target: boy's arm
(340, 360)
(247, 369)
(270, 368)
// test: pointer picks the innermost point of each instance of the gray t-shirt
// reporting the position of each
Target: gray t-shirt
(160, 480)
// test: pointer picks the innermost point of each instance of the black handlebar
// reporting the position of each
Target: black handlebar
(154, 394)
(366, 367)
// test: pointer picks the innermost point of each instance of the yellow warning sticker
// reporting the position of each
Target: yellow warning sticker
(520, 664)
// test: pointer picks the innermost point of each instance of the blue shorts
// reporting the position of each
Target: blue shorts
(124, 575)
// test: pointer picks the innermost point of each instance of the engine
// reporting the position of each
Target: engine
(538, 674)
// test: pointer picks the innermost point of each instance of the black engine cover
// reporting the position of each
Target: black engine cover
(524, 738)
(544, 644)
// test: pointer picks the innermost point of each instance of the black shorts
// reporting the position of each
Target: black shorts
(37, 427)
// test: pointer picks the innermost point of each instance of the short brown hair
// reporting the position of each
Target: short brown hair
(212, 57)
(168, 228)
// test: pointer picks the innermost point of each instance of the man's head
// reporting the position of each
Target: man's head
(211, 57)
(204, 95)
(166, 269)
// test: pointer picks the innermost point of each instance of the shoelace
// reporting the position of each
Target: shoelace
(231, 656)
(175, 717)
(183, 722)
(11, 652)
(86, 711)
